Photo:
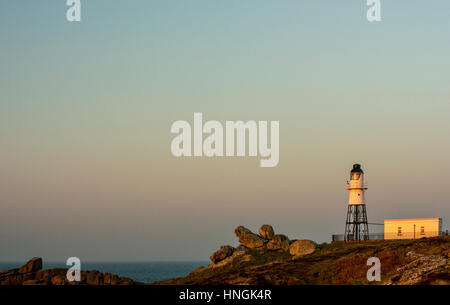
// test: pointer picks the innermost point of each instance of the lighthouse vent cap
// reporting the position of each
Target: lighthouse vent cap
(357, 168)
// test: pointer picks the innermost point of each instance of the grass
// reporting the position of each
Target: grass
(338, 263)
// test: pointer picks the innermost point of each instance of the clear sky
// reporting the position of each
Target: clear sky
(86, 109)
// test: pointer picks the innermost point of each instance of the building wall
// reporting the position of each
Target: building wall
(412, 228)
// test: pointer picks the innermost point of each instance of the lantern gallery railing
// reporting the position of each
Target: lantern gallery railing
(363, 186)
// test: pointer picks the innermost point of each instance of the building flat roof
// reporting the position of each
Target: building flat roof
(412, 219)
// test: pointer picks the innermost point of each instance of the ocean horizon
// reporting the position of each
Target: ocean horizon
(138, 271)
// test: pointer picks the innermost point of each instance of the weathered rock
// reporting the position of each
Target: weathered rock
(198, 270)
(229, 259)
(224, 262)
(106, 278)
(126, 281)
(423, 269)
(278, 242)
(221, 254)
(58, 280)
(34, 264)
(99, 279)
(83, 275)
(238, 253)
(9, 272)
(446, 253)
(43, 275)
(57, 271)
(266, 231)
(248, 238)
(46, 275)
(241, 248)
(218, 256)
(91, 278)
(300, 248)
(47, 278)
(29, 276)
(15, 280)
(114, 279)
(228, 248)
(94, 278)
(32, 274)
(33, 282)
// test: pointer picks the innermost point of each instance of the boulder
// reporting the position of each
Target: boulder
(228, 249)
(33, 265)
(300, 248)
(222, 253)
(278, 242)
(266, 231)
(224, 262)
(229, 259)
(248, 238)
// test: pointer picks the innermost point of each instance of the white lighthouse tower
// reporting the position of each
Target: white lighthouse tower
(356, 226)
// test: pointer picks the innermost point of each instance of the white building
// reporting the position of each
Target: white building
(412, 228)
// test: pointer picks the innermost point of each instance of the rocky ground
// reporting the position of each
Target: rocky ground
(274, 259)
(32, 274)
(422, 269)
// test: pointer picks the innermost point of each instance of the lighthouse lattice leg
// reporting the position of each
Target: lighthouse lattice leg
(356, 227)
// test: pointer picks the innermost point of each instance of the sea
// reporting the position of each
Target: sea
(138, 271)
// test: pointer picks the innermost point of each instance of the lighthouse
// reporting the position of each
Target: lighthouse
(356, 227)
